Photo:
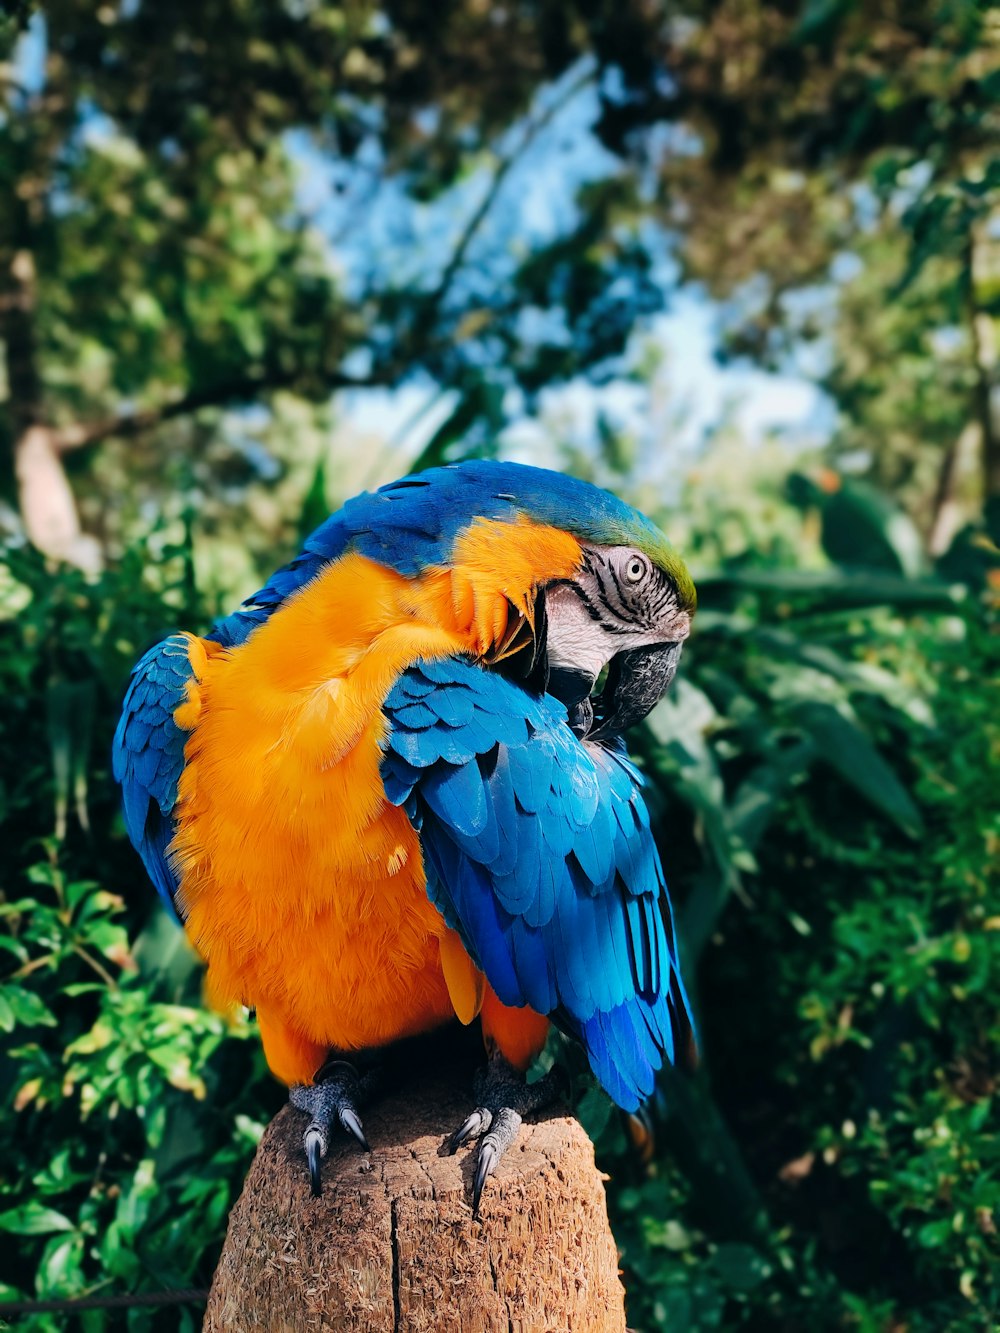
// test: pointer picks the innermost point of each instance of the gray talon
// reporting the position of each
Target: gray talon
(502, 1134)
(476, 1125)
(314, 1142)
(486, 1164)
(350, 1121)
(333, 1098)
(505, 1098)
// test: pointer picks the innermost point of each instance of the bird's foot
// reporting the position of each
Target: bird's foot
(504, 1097)
(335, 1097)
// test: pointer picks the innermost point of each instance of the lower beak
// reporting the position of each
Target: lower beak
(637, 681)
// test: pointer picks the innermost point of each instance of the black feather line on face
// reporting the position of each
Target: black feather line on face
(623, 593)
(594, 567)
(636, 605)
(592, 610)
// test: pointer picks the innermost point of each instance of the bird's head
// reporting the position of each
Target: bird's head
(610, 621)
(622, 617)
(563, 585)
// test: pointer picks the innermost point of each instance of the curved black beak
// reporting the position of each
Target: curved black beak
(637, 681)
(573, 688)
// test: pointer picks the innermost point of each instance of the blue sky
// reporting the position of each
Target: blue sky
(370, 224)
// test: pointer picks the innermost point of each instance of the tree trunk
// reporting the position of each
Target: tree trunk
(392, 1245)
(48, 507)
(946, 507)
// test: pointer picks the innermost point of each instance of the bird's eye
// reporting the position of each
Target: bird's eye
(635, 569)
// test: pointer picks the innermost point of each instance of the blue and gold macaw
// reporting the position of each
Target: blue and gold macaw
(382, 793)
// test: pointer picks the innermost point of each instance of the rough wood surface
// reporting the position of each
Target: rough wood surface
(392, 1245)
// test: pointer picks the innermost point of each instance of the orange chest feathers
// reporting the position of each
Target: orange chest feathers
(303, 888)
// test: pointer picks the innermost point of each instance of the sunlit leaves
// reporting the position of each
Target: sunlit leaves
(115, 1078)
(33, 1219)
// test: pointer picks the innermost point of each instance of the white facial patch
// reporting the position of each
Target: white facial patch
(584, 632)
(574, 640)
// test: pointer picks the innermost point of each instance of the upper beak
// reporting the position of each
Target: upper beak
(637, 681)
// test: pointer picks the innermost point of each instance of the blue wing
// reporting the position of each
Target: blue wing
(147, 756)
(539, 853)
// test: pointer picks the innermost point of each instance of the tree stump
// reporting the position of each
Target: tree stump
(392, 1244)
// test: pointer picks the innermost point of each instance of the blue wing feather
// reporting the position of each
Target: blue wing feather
(148, 757)
(538, 852)
(416, 715)
(531, 774)
(532, 966)
(457, 796)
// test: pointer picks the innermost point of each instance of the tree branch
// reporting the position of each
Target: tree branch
(240, 388)
(434, 300)
(246, 387)
(243, 388)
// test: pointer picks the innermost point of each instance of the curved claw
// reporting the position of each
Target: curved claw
(328, 1101)
(475, 1126)
(314, 1145)
(349, 1119)
(486, 1164)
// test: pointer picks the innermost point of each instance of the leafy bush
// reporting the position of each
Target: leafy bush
(823, 782)
(131, 1112)
(836, 1162)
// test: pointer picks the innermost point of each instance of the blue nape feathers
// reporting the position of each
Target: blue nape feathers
(412, 524)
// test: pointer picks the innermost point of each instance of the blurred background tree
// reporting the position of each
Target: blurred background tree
(738, 261)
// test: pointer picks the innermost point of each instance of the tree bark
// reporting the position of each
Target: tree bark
(946, 508)
(48, 508)
(392, 1244)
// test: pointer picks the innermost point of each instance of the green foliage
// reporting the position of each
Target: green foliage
(848, 994)
(130, 1112)
(176, 310)
(173, 250)
(844, 205)
(823, 771)
(822, 783)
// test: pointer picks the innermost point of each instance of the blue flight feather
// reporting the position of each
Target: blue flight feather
(557, 893)
(456, 794)
(147, 757)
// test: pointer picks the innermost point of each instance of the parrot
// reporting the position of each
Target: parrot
(391, 791)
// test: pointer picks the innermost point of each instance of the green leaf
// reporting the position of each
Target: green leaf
(60, 1270)
(863, 529)
(934, 1234)
(594, 1111)
(27, 1008)
(315, 506)
(843, 744)
(834, 589)
(741, 1267)
(31, 1219)
(43, 873)
(15, 947)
